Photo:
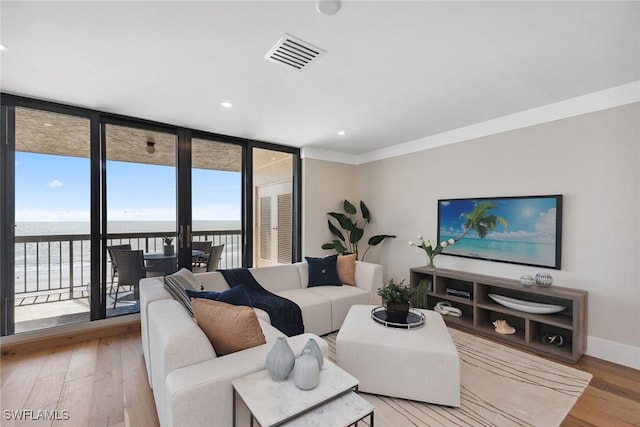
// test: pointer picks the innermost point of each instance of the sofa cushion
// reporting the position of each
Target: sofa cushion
(236, 296)
(277, 278)
(212, 281)
(230, 328)
(316, 310)
(323, 271)
(180, 281)
(346, 265)
(342, 298)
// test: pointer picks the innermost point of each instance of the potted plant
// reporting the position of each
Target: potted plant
(396, 297)
(352, 231)
(169, 249)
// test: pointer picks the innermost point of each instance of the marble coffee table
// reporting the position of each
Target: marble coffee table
(334, 402)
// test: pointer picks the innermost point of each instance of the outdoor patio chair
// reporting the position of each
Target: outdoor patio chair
(114, 265)
(131, 269)
(214, 258)
(201, 261)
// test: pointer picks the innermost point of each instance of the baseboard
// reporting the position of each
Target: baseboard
(614, 352)
(69, 334)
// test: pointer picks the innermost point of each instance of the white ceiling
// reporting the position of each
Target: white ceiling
(394, 71)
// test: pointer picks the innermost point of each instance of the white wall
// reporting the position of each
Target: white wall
(325, 186)
(592, 160)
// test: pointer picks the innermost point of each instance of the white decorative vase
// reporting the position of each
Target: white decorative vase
(527, 280)
(306, 374)
(280, 360)
(315, 351)
(544, 279)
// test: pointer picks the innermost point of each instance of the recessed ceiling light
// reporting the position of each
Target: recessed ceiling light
(328, 7)
(2, 48)
(226, 104)
(342, 133)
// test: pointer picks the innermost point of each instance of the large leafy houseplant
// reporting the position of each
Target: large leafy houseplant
(352, 230)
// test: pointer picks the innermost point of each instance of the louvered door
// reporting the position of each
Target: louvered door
(275, 224)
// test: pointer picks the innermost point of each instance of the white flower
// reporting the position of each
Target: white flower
(410, 243)
(420, 236)
(451, 241)
(443, 244)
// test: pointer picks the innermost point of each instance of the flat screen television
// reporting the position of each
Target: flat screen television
(523, 230)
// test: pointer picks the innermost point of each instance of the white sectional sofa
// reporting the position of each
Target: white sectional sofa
(191, 385)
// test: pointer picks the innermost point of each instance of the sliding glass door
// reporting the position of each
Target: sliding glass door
(216, 203)
(50, 230)
(139, 197)
(77, 185)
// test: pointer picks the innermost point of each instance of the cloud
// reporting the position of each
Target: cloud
(547, 221)
(55, 184)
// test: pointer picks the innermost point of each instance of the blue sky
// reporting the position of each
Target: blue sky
(56, 188)
(530, 219)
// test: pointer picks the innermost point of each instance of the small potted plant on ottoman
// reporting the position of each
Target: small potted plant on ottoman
(396, 297)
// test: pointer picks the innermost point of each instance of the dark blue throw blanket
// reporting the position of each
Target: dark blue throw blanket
(285, 314)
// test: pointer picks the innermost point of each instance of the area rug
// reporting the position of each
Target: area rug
(500, 386)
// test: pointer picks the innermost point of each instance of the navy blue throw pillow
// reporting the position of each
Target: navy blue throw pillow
(236, 295)
(323, 271)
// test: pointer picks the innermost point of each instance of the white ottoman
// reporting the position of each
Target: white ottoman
(418, 364)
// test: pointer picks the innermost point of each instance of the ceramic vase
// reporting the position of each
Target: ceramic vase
(315, 351)
(280, 360)
(306, 374)
(527, 280)
(544, 279)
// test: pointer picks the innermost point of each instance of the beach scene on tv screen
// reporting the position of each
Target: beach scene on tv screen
(525, 232)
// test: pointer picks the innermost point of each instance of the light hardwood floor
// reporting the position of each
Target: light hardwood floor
(102, 382)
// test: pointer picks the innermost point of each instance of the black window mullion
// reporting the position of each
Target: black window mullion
(98, 172)
(7, 220)
(247, 205)
(183, 197)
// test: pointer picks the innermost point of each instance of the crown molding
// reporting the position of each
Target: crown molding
(328, 155)
(596, 101)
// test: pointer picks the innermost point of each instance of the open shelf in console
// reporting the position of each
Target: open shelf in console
(534, 331)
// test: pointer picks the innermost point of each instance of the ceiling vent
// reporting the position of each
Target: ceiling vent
(294, 53)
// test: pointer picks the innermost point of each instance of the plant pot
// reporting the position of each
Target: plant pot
(169, 249)
(397, 312)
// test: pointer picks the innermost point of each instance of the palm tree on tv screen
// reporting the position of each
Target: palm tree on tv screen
(481, 220)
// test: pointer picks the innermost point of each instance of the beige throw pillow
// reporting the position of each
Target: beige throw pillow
(230, 328)
(347, 269)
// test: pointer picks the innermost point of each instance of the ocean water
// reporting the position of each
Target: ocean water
(40, 228)
(43, 265)
(520, 252)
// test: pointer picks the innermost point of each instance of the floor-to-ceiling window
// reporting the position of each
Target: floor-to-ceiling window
(273, 200)
(52, 212)
(216, 201)
(140, 199)
(76, 182)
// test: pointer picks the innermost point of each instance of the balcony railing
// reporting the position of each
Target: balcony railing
(61, 264)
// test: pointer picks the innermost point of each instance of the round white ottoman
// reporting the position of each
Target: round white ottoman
(418, 364)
